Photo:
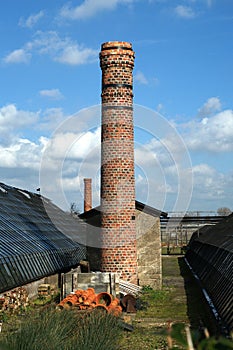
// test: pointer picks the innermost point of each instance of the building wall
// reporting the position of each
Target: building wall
(94, 242)
(32, 288)
(149, 250)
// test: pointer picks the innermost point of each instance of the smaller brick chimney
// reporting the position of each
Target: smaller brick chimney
(87, 194)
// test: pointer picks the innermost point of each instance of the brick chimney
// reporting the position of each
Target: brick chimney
(87, 194)
(118, 232)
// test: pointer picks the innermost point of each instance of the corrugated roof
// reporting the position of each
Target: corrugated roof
(37, 238)
(210, 254)
(219, 235)
(138, 205)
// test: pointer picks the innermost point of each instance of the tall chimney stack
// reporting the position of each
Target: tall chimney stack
(118, 232)
(87, 194)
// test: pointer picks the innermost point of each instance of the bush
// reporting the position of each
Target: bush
(97, 331)
(65, 330)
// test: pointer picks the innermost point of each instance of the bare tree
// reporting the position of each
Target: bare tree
(224, 211)
(74, 209)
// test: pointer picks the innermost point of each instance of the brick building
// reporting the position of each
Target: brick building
(148, 242)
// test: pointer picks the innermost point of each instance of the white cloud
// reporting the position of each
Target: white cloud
(209, 183)
(184, 11)
(204, 170)
(73, 145)
(85, 144)
(90, 8)
(31, 20)
(212, 105)
(214, 134)
(23, 153)
(63, 160)
(12, 119)
(166, 170)
(18, 56)
(140, 78)
(75, 55)
(63, 50)
(59, 144)
(78, 152)
(71, 183)
(69, 156)
(51, 118)
(53, 94)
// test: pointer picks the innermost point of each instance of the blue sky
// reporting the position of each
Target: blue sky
(183, 76)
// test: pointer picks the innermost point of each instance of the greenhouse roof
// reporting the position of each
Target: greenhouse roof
(37, 238)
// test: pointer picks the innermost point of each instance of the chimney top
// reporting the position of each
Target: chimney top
(116, 44)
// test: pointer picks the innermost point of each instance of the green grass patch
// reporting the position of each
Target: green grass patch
(65, 330)
(149, 337)
(180, 302)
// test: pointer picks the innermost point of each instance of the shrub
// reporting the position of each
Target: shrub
(97, 331)
(65, 330)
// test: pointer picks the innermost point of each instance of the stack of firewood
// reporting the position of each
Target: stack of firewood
(14, 299)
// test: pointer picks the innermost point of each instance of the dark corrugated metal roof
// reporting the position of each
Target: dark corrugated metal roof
(138, 205)
(210, 254)
(37, 238)
(219, 235)
(149, 210)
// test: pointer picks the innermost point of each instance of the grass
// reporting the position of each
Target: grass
(142, 338)
(65, 330)
(158, 309)
(173, 250)
(180, 302)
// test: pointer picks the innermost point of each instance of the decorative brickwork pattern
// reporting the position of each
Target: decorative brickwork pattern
(118, 232)
(87, 194)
